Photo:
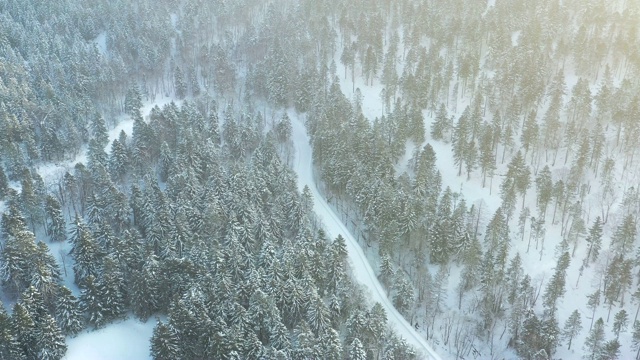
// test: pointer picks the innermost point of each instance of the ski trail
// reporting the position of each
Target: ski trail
(362, 270)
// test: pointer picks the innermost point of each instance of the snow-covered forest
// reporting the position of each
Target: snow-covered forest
(319, 179)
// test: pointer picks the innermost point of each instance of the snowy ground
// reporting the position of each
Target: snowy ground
(126, 340)
(361, 268)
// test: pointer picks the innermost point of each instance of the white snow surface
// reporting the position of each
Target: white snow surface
(126, 340)
(361, 268)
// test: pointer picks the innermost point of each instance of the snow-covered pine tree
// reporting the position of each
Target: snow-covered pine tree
(164, 343)
(356, 350)
(572, 327)
(594, 343)
(49, 339)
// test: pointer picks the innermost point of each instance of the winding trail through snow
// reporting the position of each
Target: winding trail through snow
(360, 265)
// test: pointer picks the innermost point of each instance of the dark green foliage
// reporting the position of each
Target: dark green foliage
(85, 251)
(50, 341)
(24, 327)
(92, 302)
(145, 292)
(68, 314)
(56, 226)
(18, 252)
(179, 84)
(594, 344)
(594, 240)
(556, 286)
(4, 184)
(572, 327)
(164, 343)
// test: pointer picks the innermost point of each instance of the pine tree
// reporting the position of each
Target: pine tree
(556, 286)
(529, 343)
(17, 267)
(68, 314)
(49, 340)
(530, 132)
(487, 159)
(635, 340)
(572, 327)
(544, 186)
(594, 240)
(460, 140)
(85, 251)
(99, 130)
(610, 350)
(145, 294)
(4, 184)
(25, 330)
(594, 343)
(10, 348)
(403, 298)
(625, 235)
(593, 300)
(620, 322)
(164, 343)
(179, 83)
(356, 351)
(550, 334)
(56, 226)
(91, 302)
(111, 289)
(133, 100)
(441, 127)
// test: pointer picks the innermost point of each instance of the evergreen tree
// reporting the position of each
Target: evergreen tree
(460, 140)
(572, 327)
(620, 322)
(530, 132)
(635, 339)
(487, 159)
(25, 330)
(403, 298)
(625, 235)
(68, 314)
(441, 127)
(111, 290)
(49, 340)
(530, 341)
(356, 351)
(56, 226)
(4, 184)
(164, 343)
(91, 302)
(145, 294)
(594, 343)
(133, 101)
(180, 84)
(556, 286)
(85, 251)
(610, 350)
(544, 186)
(99, 130)
(594, 240)
(17, 267)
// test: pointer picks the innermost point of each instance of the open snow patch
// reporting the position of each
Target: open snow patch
(126, 340)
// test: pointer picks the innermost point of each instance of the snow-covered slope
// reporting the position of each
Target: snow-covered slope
(362, 270)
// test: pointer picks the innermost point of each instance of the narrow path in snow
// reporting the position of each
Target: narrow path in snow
(362, 270)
